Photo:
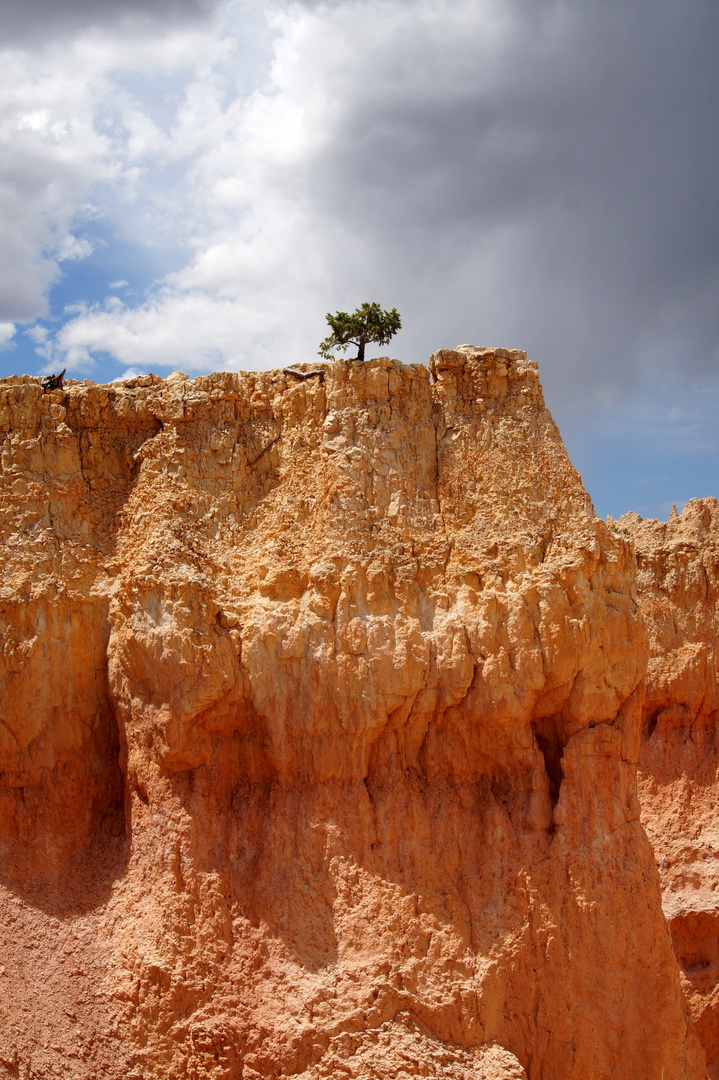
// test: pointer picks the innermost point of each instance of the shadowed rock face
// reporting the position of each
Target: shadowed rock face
(678, 591)
(319, 722)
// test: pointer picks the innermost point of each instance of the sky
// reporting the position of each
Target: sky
(194, 184)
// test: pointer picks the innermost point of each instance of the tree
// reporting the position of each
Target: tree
(368, 323)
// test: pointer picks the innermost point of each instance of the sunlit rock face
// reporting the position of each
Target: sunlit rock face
(320, 711)
(678, 591)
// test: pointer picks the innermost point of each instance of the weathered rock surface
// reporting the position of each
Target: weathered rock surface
(678, 589)
(320, 709)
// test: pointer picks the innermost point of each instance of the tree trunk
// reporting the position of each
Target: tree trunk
(360, 351)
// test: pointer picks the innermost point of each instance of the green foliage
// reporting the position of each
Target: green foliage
(368, 323)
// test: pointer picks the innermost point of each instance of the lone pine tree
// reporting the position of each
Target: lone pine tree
(366, 324)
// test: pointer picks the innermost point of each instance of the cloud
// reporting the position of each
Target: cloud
(7, 332)
(130, 373)
(68, 128)
(49, 153)
(532, 174)
(34, 20)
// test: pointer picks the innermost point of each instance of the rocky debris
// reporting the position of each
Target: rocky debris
(320, 709)
(678, 592)
(404, 1048)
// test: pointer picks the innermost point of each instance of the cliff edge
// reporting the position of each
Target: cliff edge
(321, 702)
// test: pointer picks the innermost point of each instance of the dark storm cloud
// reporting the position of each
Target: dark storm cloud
(556, 189)
(25, 21)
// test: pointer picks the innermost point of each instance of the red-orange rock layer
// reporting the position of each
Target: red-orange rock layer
(678, 590)
(320, 710)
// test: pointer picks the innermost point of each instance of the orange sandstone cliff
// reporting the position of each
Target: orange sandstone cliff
(321, 703)
(678, 588)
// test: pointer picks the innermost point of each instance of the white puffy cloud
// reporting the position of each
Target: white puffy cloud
(48, 153)
(69, 128)
(7, 332)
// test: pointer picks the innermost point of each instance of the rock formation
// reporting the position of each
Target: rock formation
(678, 590)
(320, 708)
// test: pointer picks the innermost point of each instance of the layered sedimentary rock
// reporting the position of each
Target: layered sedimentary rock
(678, 590)
(320, 709)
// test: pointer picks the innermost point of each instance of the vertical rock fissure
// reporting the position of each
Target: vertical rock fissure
(552, 751)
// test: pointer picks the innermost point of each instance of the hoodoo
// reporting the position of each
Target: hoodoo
(321, 702)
